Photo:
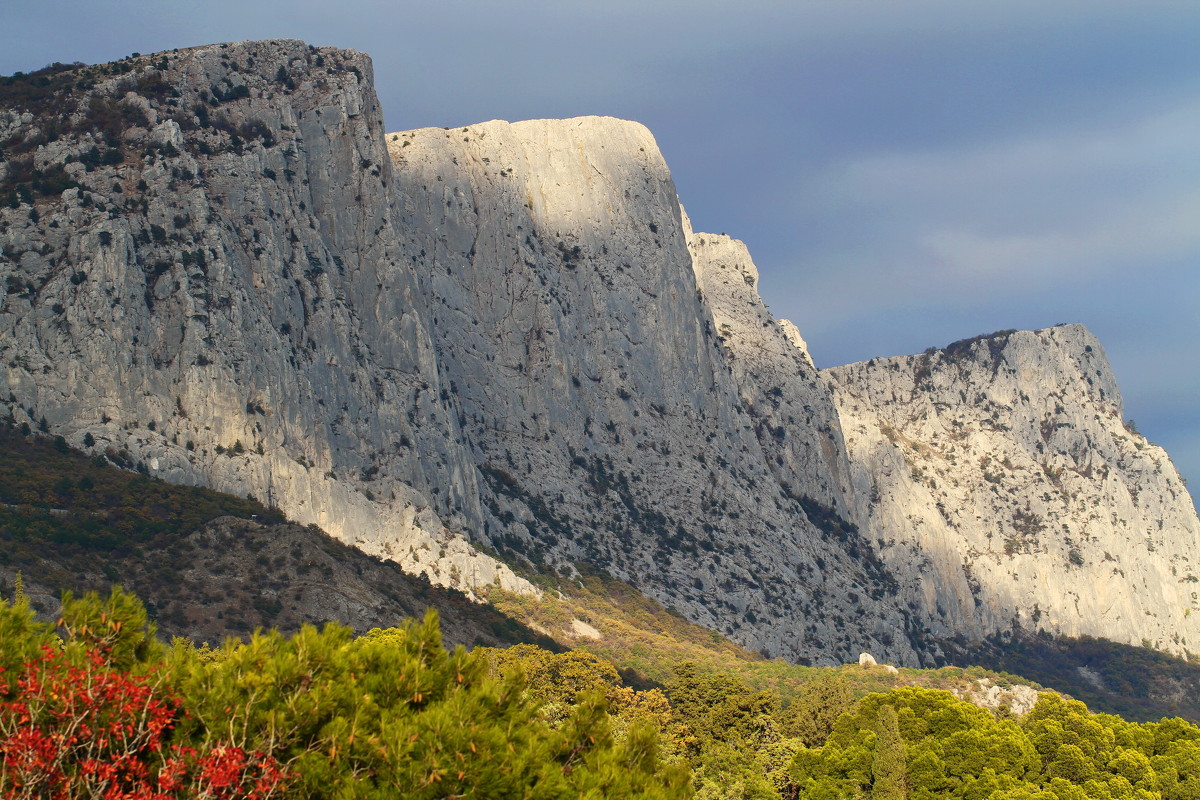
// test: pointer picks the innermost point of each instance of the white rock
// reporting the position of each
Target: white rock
(583, 630)
(1001, 483)
(282, 339)
(629, 399)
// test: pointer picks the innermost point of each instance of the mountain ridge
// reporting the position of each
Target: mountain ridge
(440, 342)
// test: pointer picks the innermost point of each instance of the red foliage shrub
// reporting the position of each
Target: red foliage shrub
(86, 730)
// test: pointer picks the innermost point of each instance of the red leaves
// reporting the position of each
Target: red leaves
(91, 731)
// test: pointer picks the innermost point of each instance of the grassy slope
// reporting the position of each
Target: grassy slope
(646, 640)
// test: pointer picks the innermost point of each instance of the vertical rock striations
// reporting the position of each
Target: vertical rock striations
(206, 282)
(794, 417)
(594, 388)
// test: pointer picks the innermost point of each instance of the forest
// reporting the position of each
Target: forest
(95, 705)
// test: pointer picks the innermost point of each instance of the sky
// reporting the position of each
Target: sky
(905, 173)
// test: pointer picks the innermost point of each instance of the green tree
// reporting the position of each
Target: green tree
(718, 707)
(21, 639)
(729, 735)
(812, 714)
(557, 678)
(116, 627)
(1177, 769)
(952, 748)
(395, 714)
(889, 765)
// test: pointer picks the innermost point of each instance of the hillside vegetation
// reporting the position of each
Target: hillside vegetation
(100, 707)
(207, 571)
(1136, 682)
(645, 704)
(647, 640)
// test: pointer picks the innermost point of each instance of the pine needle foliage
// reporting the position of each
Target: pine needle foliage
(321, 714)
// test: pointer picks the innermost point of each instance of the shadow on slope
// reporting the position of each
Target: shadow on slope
(1137, 683)
(207, 565)
(210, 565)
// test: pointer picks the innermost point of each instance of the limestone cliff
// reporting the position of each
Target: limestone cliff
(999, 479)
(218, 269)
(594, 386)
(794, 416)
(205, 280)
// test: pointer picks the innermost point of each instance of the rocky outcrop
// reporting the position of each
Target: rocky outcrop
(1017, 699)
(999, 479)
(207, 282)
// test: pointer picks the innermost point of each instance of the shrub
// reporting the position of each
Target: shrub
(76, 722)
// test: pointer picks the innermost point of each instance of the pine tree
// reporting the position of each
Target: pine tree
(816, 708)
(889, 767)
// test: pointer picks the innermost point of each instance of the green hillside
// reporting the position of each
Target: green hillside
(611, 696)
(323, 714)
(1136, 682)
(74, 521)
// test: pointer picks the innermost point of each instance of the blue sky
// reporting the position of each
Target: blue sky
(905, 172)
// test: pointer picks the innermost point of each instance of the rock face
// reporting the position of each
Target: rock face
(792, 412)
(220, 270)
(1000, 480)
(220, 297)
(576, 320)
